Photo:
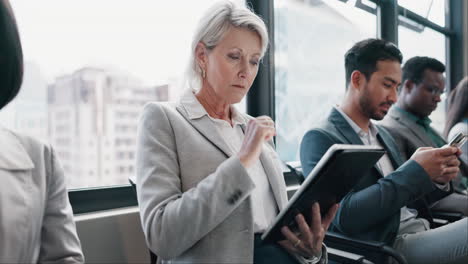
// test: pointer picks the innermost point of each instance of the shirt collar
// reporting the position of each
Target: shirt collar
(191, 104)
(196, 110)
(237, 116)
(372, 128)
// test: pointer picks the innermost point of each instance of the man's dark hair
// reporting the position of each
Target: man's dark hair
(11, 55)
(365, 54)
(414, 68)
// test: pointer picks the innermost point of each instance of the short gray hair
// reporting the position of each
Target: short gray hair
(215, 23)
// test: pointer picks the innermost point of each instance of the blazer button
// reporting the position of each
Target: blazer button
(235, 196)
(231, 200)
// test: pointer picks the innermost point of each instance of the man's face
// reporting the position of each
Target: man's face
(380, 91)
(422, 98)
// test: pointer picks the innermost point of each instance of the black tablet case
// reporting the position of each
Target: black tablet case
(339, 169)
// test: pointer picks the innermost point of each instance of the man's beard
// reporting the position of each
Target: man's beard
(367, 107)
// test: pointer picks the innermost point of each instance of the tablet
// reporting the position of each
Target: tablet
(339, 169)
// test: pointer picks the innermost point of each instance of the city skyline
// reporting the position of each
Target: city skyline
(90, 118)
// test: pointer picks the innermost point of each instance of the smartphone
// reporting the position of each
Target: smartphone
(458, 140)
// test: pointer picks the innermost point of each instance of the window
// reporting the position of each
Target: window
(311, 38)
(434, 10)
(425, 42)
(90, 66)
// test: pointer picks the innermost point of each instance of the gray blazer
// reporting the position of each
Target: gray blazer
(193, 192)
(409, 136)
(36, 219)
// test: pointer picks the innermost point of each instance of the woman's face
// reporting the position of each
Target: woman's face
(232, 65)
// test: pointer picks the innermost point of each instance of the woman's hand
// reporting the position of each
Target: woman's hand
(308, 243)
(258, 131)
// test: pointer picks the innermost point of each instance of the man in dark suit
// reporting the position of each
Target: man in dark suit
(378, 206)
(409, 123)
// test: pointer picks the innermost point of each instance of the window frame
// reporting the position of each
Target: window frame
(102, 198)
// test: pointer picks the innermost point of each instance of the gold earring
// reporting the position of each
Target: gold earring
(203, 73)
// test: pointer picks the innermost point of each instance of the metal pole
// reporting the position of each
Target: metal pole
(387, 20)
(261, 97)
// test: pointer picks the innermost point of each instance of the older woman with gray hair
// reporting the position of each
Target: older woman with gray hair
(209, 181)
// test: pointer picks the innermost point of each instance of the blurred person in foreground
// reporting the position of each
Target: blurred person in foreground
(36, 219)
(209, 181)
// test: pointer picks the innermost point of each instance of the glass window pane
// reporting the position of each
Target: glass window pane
(90, 66)
(425, 42)
(311, 38)
(434, 10)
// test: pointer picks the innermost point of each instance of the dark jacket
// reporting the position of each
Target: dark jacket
(371, 211)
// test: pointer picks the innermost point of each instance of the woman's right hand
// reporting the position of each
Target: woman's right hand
(258, 130)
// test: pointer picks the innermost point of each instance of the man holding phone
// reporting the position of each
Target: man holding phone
(408, 122)
(378, 207)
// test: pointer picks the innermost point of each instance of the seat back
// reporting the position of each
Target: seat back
(112, 236)
(375, 252)
(153, 257)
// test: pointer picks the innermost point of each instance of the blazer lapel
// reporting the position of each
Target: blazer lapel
(206, 128)
(13, 155)
(392, 152)
(344, 128)
(275, 176)
(347, 131)
(273, 172)
(415, 129)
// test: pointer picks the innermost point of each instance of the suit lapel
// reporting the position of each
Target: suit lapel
(347, 131)
(386, 140)
(206, 128)
(13, 155)
(344, 128)
(275, 177)
(415, 129)
(201, 122)
(273, 172)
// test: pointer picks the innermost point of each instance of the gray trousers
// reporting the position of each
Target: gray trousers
(455, 202)
(446, 244)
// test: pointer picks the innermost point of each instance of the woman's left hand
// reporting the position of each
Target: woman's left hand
(308, 243)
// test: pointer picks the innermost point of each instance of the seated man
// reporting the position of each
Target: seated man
(377, 207)
(409, 124)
